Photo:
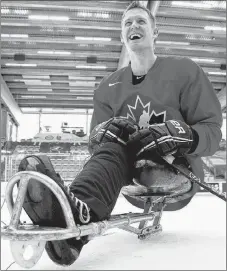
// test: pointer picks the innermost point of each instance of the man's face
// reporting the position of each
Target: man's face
(137, 31)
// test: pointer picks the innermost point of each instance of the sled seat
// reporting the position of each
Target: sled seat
(143, 191)
(155, 181)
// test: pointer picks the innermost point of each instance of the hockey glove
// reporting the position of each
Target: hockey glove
(115, 130)
(171, 137)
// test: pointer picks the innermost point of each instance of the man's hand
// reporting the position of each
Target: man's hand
(171, 137)
(115, 130)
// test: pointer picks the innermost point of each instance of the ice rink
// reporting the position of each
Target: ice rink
(193, 238)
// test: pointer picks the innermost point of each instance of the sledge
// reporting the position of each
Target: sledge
(152, 201)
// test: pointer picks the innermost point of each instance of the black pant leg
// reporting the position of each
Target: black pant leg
(103, 176)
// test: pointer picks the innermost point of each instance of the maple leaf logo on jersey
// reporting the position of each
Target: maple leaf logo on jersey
(140, 113)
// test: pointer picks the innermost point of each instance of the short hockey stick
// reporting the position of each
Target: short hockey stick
(188, 174)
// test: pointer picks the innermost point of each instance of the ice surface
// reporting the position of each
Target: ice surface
(193, 238)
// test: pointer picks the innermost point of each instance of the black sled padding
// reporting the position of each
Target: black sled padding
(40, 204)
(44, 166)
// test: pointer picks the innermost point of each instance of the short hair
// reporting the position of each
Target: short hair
(138, 4)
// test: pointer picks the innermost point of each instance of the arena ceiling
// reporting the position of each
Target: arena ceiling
(55, 53)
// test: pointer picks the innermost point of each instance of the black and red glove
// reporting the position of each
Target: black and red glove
(115, 130)
(171, 137)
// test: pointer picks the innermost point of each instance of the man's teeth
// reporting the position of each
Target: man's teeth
(133, 36)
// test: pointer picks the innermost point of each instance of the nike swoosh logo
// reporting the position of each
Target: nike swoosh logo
(110, 85)
(138, 77)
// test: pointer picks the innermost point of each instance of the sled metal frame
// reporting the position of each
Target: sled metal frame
(23, 235)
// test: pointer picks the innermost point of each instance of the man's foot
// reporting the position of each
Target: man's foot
(43, 208)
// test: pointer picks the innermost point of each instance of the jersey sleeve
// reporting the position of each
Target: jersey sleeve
(102, 110)
(202, 110)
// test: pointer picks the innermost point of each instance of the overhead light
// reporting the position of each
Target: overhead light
(90, 67)
(5, 10)
(54, 52)
(215, 4)
(84, 14)
(62, 53)
(102, 39)
(16, 11)
(21, 64)
(102, 15)
(25, 109)
(90, 14)
(84, 98)
(93, 38)
(197, 37)
(40, 89)
(19, 35)
(193, 4)
(172, 42)
(35, 76)
(20, 11)
(35, 82)
(33, 97)
(14, 35)
(58, 18)
(203, 60)
(82, 83)
(76, 90)
(91, 78)
(46, 17)
(217, 73)
(215, 28)
(38, 17)
(45, 52)
(31, 82)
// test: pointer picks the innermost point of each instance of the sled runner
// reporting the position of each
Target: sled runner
(151, 199)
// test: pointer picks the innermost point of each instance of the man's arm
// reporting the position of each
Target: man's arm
(102, 111)
(201, 110)
(200, 132)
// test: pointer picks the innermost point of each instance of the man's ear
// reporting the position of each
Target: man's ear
(156, 33)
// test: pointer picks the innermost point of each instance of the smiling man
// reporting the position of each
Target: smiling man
(138, 34)
(154, 107)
